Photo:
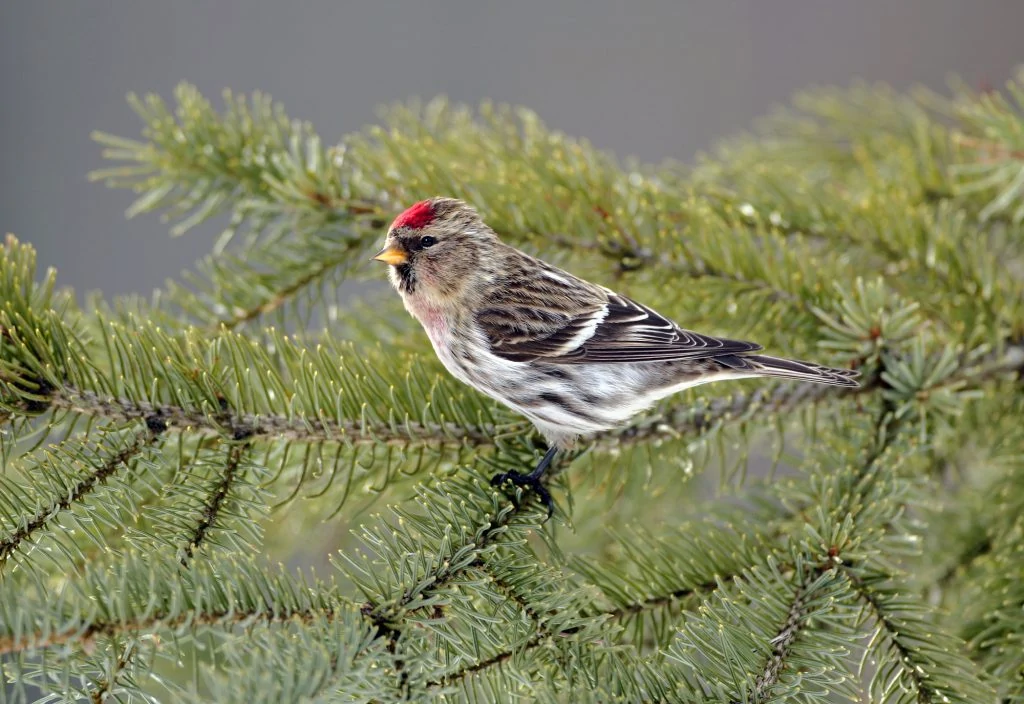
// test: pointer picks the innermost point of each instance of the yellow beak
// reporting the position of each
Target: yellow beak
(391, 255)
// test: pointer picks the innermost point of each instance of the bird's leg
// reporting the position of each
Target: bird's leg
(532, 480)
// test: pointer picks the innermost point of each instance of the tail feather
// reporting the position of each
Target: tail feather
(790, 369)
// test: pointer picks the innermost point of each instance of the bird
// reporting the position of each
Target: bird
(574, 357)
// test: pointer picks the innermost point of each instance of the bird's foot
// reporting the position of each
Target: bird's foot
(533, 483)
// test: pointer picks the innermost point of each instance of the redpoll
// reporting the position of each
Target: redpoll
(573, 357)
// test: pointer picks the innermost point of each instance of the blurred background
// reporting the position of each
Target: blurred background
(654, 79)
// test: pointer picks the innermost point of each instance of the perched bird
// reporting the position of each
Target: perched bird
(574, 357)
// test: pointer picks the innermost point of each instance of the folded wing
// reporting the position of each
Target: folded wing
(560, 319)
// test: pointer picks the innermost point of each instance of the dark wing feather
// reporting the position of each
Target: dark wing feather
(632, 332)
(560, 319)
(522, 333)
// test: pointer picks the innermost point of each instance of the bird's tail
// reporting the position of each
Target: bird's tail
(764, 365)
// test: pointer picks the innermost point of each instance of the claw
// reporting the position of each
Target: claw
(532, 483)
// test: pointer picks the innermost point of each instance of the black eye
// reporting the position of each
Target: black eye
(427, 241)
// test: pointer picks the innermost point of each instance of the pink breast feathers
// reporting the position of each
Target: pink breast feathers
(432, 320)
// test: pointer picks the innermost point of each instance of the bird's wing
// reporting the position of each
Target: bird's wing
(560, 319)
(632, 332)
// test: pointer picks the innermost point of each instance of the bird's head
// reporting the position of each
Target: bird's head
(436, 249)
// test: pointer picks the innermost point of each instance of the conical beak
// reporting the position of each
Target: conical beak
(391, 255)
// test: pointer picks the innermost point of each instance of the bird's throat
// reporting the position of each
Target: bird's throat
(405, 278)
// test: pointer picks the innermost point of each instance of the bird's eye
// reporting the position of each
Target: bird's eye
(427, 241)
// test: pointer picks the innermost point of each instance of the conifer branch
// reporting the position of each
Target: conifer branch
(508, 591)
(282, 296)
(659, 600)
(78, 492)
(211, 511)
(385, 615)
(541, 633)
(893, 635)
(684, 420)
(474, 530)
(105, 685)
(495, 660)
(277, 175)
(796, 621)
(971, 555)
(84, 634)
(240, 427)
(990, 150)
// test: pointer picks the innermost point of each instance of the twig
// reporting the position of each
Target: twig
(245, 426)
(892, 633)
(282, 296)
(84, 634)
(85, 486)
(106, 685)
(781, 644)
(654, 602)
(487, 663)
(385, 616)
(213, 506)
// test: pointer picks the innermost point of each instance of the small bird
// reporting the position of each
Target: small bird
(574, 357)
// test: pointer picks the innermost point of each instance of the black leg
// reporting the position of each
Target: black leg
(543, 465)
(532, 480)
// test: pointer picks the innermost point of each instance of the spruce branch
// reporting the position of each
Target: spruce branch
(282, 295)
(495, 660)
(212, 509)
(289, 281)
(661, 575)
(316, 659)
(992, 138)
(105, 685)
(871, 497)
(541, 633)
(465, 565)
(796, 621)
(490, 529)
(148, 594)
(246, 426)
(84, 634)
(773, 605)
(544, 626)
(982, 530)
(929, 660)
(892, 633)
(274, 176)
(99, 468)
(658, 601)
(700, 416)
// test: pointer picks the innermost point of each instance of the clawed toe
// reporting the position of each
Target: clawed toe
(532, 483)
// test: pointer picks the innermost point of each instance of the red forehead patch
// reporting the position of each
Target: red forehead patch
(417, 216)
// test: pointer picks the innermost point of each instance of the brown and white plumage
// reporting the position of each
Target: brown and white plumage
(574, 357)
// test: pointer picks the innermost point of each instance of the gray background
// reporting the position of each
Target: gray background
(653, 78)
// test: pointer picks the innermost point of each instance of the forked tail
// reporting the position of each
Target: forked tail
(764, 365)
(805, 371)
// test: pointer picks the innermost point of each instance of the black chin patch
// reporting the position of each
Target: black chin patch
(406, 278)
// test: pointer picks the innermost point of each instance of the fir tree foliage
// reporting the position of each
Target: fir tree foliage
(158, 455)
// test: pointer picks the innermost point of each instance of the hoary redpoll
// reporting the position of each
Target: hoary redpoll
(573, 357)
